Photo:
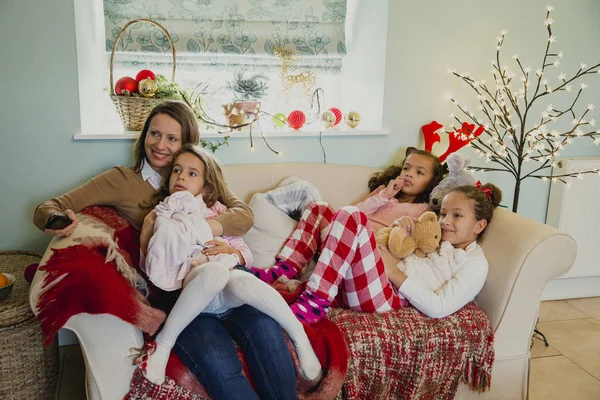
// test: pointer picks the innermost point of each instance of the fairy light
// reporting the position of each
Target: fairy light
(501, 105)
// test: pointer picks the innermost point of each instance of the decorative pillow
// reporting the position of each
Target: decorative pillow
(271, 229)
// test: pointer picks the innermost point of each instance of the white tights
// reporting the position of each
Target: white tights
(213, 288)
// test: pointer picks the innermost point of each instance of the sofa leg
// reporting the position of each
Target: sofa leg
(537, 332)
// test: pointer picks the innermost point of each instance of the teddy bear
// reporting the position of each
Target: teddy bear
(425, 239)
(457, 176)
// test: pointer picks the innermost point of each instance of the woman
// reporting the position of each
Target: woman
(129, 190)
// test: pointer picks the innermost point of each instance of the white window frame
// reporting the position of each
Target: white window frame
(363, 74)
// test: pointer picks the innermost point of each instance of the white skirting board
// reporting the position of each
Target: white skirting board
(571, 288)
(574, 210)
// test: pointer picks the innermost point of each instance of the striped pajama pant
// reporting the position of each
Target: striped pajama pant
(349, 260)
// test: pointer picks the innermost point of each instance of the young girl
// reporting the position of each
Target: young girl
(349, 257)
(465, 213)
(179, 241)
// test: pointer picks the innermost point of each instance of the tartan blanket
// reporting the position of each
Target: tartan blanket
(403, 354)
(400, 354)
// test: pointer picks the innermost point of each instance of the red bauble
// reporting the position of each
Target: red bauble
(338, 115)
(145, 74)
(296, 119)
(126, 86)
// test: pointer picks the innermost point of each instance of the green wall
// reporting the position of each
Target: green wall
(39, 110)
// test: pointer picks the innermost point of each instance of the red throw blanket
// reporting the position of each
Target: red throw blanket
(403, 354)
(79, 280)
(399, 354)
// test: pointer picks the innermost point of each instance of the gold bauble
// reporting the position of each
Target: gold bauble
(353, 119)
(147, 87)
(328, 119)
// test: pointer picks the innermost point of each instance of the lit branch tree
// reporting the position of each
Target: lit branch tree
(510, 138)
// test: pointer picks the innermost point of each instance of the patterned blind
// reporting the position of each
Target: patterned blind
(228, 34)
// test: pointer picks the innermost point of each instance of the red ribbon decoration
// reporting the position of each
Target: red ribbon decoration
(486, 191)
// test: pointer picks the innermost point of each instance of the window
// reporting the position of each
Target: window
(214, 39)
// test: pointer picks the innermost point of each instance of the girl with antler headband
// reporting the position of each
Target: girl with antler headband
(349, 258)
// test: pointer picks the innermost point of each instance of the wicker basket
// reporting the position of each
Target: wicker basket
(134, 110)
(28, 369)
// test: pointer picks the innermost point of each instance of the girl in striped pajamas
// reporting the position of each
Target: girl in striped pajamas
(349, 258)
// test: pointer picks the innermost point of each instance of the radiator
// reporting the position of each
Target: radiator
(575, 209)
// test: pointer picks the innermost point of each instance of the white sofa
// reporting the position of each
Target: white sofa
(523, 255)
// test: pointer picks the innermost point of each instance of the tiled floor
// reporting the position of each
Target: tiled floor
(568, 369)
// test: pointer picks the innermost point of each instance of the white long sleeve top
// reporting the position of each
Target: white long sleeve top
(469, 275)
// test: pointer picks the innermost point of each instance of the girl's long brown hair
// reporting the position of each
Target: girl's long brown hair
(214, 181)
(393, 171)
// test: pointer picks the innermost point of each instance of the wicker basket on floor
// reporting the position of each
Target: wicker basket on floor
(133, 109)
(28, 369)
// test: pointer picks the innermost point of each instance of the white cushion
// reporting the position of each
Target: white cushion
(271, 229)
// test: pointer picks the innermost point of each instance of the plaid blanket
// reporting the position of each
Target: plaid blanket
(403, 354)
(400, 354)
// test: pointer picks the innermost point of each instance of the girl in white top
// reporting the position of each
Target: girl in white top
(465, 213)
(211, 287)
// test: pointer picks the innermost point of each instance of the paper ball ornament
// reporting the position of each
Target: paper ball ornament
(147, 87)
(338, 115)
(279, 120)
(353, 119)
(296, 119)
(328, 119)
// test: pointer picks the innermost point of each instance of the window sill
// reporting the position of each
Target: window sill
(132, 135)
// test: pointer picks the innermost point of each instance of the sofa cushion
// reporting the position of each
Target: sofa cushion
(271, 229)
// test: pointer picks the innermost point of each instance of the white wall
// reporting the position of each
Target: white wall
(39, 103)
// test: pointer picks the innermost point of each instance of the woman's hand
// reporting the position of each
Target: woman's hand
(60, 233)
(147, 231)
(221, 246)
(406, 223)
(393, 187)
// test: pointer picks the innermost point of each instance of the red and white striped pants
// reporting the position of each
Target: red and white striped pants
(349, 258)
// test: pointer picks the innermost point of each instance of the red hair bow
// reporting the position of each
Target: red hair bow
(486, 191)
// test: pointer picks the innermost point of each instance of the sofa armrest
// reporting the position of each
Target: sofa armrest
(105, 343)
(523, 256)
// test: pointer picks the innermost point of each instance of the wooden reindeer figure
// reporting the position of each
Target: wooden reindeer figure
(234, 120)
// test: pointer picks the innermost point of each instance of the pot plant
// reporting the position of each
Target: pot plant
(247, 92)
